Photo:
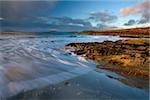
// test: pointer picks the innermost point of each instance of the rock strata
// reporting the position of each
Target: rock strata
(128, 57)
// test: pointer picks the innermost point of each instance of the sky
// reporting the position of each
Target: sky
(71, 15)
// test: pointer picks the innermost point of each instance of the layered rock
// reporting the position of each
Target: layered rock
(125, 57)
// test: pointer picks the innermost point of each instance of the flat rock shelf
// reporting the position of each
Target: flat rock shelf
(126, 57)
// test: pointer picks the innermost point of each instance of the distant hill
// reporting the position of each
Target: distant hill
(31, 33)
(25, 33)
(16, 33)
(132, 32)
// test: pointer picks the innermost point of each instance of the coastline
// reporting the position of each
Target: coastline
(52, 60)
(125, 57)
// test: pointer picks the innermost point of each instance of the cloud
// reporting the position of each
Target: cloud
(1, 18)
(139, 8)
(21, 15)
(47, 23)
(142, 8)
(101, 26)
(145, 17)
(22, 9)
(37, 16)
(66, 23)
(70, 24)
(70, 21)
(103, 16)
(130, 22)
(142, 21)
(51, 23)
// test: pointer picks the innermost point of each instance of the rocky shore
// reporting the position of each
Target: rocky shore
(126, 57)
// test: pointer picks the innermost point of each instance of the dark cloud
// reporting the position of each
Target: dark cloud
(70, 27)
(142, 21)
(21, 9)
(22, 15)
(66, 23)
(130, 22)
(104, 16)
(101, 26)
(145, 17)
(70, 21)
(36, 16)
(26, 16)
(46, 24)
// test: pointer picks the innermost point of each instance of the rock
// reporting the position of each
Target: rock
(80, 52)
(128, 55)
(67, 83)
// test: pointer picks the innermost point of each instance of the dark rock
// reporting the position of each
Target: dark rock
(66, 83)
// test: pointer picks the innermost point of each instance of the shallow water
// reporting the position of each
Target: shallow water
(37, 66)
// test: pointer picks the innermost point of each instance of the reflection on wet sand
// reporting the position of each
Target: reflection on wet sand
(100, 86)
(142, 84)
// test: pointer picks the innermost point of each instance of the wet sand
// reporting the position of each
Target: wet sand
(93, 85)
